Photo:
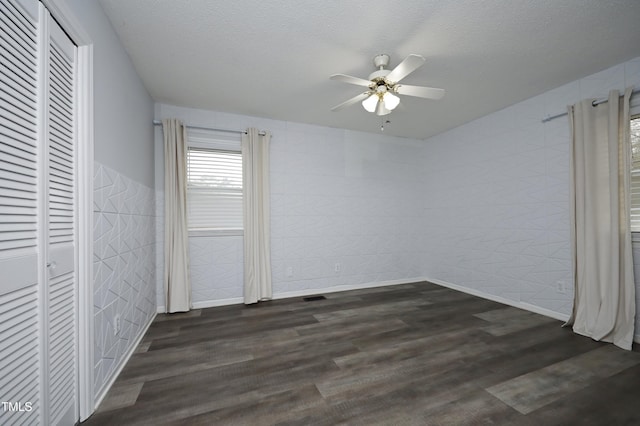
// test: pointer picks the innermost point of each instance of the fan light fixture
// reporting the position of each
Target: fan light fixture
(391, 101)
(383, 85)
(382, 103)
(370, 103)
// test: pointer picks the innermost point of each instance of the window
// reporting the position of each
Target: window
(214, 182)
(635, 173)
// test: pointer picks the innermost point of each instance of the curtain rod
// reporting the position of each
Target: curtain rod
(262, 132)
(594, 103)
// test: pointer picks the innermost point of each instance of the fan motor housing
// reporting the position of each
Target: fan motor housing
(379, 74)
(381, 60)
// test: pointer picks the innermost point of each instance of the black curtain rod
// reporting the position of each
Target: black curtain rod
(262, 132)
(594, 103)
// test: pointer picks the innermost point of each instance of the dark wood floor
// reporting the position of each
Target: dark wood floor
(413, 354)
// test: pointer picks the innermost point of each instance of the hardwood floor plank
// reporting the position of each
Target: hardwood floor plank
(612, 401)
(474, 409)
(390, 308)
(247, 327)
(271, 409)
(158, 364)
(333, 329)
(405, 350)
(516, 324)
(121, 395)
(411, 354)
(531, 391)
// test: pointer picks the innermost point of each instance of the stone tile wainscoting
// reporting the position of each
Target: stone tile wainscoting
(124, 269)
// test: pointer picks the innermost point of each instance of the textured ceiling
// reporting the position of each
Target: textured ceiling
(273, 58)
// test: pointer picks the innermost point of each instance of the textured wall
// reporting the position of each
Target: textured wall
(347, 198)
(216, 269)
(496, 194)
(337, 196)
(124, 267)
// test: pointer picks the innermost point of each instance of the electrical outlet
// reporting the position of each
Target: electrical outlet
(561, 286)
(337, 267)
(289, 271)
(116, 325)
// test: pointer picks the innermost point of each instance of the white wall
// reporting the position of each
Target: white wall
(123, 109)
(124, 281)
(496, 194)
(338, 196)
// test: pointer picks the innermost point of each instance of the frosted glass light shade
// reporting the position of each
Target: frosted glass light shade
(381, 109)
(370, 103)
(390, 101)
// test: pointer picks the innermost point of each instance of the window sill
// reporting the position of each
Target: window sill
(216, 233)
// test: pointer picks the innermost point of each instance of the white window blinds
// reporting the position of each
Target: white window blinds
(635, 174)
(214, 182)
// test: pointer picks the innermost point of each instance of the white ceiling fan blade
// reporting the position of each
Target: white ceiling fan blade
(419, 91)
(406, 67)
(354, 100)
(351, 80)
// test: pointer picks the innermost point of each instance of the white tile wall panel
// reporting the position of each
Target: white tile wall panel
(496, 216)
(216, 267)
(124, 267)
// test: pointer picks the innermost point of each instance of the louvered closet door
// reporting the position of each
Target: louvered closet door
(38, 327)
(20, 348)
(61, 224)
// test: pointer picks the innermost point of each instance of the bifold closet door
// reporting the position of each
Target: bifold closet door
(20, 334)
(38, 288)
(61, 226)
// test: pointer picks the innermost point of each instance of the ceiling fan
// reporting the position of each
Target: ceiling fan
(383, 85)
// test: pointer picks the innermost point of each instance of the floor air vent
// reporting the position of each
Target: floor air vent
(313, 298)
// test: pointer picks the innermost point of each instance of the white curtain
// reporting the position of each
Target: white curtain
(604, 300)
(257, 252)
(177, 288)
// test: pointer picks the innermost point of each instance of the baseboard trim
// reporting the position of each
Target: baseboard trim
(299, 293)
(107, 386)
(544, 311)
(338, 288)
(217, 302)
(207, 304)
(521, 305)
